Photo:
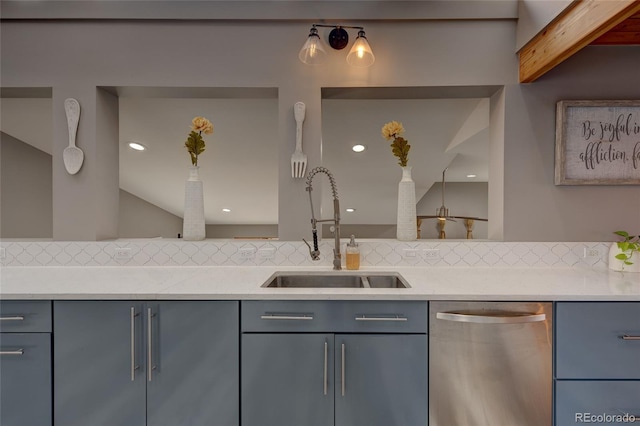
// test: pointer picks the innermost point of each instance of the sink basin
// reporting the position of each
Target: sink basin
(336, 280)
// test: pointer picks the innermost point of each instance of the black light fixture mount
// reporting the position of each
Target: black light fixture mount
(360, 54)
(338, 38)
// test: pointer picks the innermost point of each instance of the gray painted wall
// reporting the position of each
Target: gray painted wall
(242, 231)
(140, 219)
(26, 199)
(534, 208)
(408, 53)
(26, 202)
(361, 231)
(534, 15)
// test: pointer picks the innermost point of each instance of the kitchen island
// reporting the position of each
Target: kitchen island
(178, 343)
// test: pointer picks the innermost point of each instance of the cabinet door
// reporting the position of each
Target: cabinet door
(599, 401)
(381, 380)
(97, 347)
(591, 343)
(25, 379)
(194, 377)
(287, 380)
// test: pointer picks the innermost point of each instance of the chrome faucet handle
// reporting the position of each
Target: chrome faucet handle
(337, 260)
(315, 254)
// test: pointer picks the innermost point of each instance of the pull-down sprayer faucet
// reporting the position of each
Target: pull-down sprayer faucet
(315, 253)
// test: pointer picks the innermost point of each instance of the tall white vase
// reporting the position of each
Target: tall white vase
(407, 229)
(193, 223)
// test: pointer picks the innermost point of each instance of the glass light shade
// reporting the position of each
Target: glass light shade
(360, 54)
(312, 52)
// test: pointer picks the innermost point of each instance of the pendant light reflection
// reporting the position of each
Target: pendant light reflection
(443, 213)
(313, 51)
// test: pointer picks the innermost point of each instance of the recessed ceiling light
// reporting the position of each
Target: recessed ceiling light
(358, 148)
(137, 146)
(350, 209)
(471, 176)
(225, 210)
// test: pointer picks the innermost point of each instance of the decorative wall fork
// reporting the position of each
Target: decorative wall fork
(298, 158)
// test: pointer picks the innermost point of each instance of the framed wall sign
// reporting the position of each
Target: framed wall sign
(597, 143)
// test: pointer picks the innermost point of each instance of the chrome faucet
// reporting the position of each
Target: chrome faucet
(315, 253)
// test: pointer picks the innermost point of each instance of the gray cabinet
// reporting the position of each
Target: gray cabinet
(381, 380)
(584, 401)
(300, 367)
(25, 363)
(597, 355)
(156, 364)
(591, 341)
(287, 379)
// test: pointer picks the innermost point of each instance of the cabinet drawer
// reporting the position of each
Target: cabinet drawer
(581, 401)
(25, 379)
(590, 343)
(334, 316)
(25, 317)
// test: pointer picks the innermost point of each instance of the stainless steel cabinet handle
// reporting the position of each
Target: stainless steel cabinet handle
(491, 317)
(149, 344)
(13, 318)
(629, 337)
(390, 318)
(326, 349)
(16, 352)
(134, 367)
(286, 317)
(342, 370)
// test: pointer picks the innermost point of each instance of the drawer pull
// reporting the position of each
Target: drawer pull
(150, 366)
(491, 317)
(13, 318)
(326, 357)
(286, 317)
(134, 367)
(393, 318)
(629, 337)
(343, 370)
(16, 352)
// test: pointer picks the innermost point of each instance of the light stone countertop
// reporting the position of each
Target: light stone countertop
(242, 283)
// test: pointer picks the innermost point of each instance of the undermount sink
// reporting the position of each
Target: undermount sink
(336, 280)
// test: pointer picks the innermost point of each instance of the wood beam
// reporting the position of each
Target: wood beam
(582, 22)
(625, 33)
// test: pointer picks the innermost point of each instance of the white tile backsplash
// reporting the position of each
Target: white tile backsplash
(174, 252)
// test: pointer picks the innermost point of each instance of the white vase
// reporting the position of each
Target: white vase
(618, 265)
(193, 222)
(407, 229)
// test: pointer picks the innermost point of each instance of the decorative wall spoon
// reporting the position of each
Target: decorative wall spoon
(72, 155)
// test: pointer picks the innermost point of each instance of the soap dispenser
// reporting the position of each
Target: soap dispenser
(353, 255)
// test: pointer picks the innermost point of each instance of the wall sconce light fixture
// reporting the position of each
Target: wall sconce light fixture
(360, 55)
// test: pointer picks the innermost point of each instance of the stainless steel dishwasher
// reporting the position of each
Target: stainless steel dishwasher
(490, 364)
